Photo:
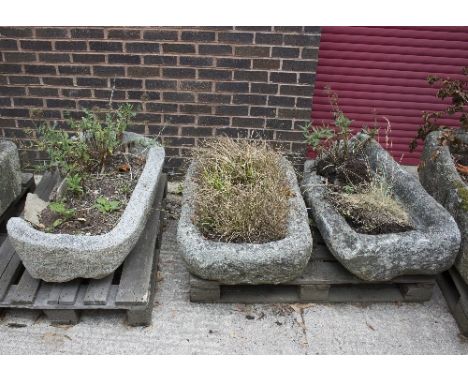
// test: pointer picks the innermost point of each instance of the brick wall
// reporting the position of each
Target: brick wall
(187, 83)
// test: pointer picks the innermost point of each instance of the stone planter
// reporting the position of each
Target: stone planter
(63, 257)
(438, 175)
(238, 263)
(428, 249)
(10, 175)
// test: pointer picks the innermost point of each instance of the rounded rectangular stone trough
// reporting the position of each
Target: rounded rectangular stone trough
(63, 257)
(10, 174)
(430, 248)
(246, 263)
(439, 176)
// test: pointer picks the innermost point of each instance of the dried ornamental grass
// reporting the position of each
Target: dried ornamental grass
(373, 208)
(242, 192)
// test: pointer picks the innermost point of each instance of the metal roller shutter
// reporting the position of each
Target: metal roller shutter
(382, 71)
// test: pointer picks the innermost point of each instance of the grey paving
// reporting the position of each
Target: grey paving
(180, 327)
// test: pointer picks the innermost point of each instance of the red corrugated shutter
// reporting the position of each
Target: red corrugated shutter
(382, 71)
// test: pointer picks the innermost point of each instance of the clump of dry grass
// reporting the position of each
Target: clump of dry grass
(242, 193)
(372, 208)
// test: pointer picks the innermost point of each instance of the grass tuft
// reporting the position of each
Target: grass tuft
(372, 208)
(242, 193)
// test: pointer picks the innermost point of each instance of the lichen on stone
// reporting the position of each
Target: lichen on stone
(463, 194)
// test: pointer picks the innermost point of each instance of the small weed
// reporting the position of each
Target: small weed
(91, 141)
(65, 213)
(74, 184)
(125, 189)
(180, 189)
(105, 205)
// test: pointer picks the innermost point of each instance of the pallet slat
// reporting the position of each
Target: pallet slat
(98, 291)
(26, 289)
(136, 272)
(69, 292)
(6, 253)
(10, 273)
(455, 292)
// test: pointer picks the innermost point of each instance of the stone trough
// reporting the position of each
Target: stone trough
(10, 175)
(430, 248)
(246, 263)
(63, 257)
(438, 175)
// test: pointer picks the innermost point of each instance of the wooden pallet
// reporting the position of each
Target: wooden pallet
(455, 291)
(130, 288)
(15, 208)
(324, 280)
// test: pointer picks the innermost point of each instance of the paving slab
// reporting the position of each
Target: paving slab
(181, 327)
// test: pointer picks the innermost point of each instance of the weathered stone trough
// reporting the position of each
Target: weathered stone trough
(430, 248)
(63, 257)
(246, 263)
(10, 174)
(438, 175)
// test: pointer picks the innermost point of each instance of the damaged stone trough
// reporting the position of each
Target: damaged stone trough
(64, 257)
(438, 175)
(246, 263)
(10, 175)
(430, 248)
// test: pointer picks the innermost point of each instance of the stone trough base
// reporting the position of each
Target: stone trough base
(130, 288)
(324, 280)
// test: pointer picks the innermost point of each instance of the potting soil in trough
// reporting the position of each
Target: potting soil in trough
(116, 184)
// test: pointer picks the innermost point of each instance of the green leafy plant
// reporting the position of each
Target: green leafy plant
(89, 143)
(334, 142)
(338, 154)
(105, 205)
(74, 184)
(457, 92)
(65, 213)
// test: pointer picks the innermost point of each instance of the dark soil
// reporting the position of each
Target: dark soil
(460, 157)
(116, 183)
(385, 228)
(354, 171)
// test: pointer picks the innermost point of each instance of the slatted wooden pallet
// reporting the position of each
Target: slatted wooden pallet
(324, 280)
(455, 291)
(15, 208)
(130, 288)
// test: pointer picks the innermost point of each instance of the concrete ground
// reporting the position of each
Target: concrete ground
(181, 327)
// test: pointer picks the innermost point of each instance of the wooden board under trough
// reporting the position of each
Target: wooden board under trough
(455, 291)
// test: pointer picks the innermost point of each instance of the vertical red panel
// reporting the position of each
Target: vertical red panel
(381, 72)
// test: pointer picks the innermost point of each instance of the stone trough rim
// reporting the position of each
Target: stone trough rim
(188, 232)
